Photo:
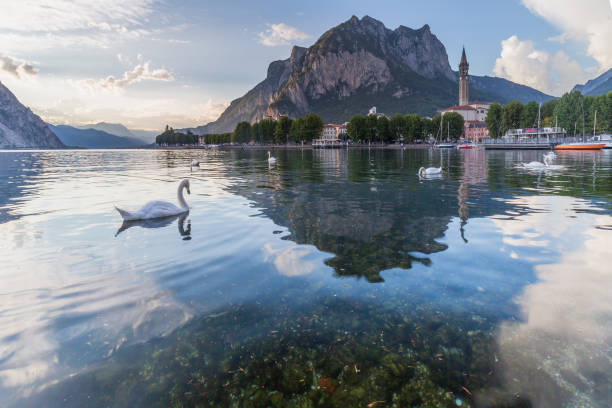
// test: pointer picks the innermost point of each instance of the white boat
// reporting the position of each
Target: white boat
(606, 139)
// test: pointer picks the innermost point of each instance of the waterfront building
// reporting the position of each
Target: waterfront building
(330, 135)
(475, 130)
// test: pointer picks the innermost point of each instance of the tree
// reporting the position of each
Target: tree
(397, 126)
(370, 122)
(266, 129)
(356, 128)
(568, 112)
(413, 127)
(454, 125)
(242, 133)
(529, 115)
(426, 128)
(312, 127)
(382, 129)
(494, 120)
(282, 129)
(512, 115)
(296, 132)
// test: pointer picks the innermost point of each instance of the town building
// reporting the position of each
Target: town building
(330, 135)
(475, 130)
(373, 111)
(474, 113)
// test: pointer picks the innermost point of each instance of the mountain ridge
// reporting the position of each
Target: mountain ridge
(596, 86)
(22, 128)
(358, 64)
(90, 138)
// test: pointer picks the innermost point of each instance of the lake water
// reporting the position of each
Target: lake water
(334, 278)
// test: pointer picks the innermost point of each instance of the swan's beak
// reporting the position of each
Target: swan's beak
(188, 191)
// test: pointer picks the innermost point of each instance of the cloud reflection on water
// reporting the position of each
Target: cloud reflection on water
(560, 352)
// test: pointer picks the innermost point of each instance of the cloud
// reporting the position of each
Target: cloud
(281, 34)
(40, 24)
(140, 72)
(521, 62)
(589, 21)
(17, 68)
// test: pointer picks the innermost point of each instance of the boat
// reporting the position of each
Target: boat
(580, 146)
(444, 145)
(583, 145)
(607, 139)
(466, 146)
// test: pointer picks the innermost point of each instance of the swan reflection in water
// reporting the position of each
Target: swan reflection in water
(160, 223)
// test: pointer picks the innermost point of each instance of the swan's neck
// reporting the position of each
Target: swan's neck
(181, 199)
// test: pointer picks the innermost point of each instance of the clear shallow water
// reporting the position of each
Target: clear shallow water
(334, 278)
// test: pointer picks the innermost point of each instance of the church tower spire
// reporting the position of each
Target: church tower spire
(464, 95)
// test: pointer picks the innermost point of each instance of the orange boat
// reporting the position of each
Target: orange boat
(580, 146)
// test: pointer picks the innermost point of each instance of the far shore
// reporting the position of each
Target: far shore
(298, 147)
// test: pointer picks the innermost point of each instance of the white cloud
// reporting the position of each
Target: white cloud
(281, 34)
(68, 15)
(589, 21)
(43, 24)
(17, 68)
(140, 72)
(521, 62)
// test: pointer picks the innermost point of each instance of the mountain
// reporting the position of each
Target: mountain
(116, 129)
(93, 138)
(598, 86)
(20, 127)
(357, 65)
(146, 135)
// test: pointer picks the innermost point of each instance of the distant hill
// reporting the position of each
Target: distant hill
(359, 64)
(598, 86)
(116, 129)
(20, 127)
(146, 135)
(93, 138)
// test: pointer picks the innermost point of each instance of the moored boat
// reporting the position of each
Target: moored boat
(580, 146)
(466, 146)
(445, 146)
(606, 139)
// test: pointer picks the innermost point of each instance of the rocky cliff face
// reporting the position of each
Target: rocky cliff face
(354, 66)
(20, 127)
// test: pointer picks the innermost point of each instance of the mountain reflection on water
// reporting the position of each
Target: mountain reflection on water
(486, 287)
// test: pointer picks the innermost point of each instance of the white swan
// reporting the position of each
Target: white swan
(430, 171)
(271, 160)
(195, 163)
(534, 165)
(159, 209)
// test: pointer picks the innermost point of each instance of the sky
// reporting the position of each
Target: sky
(148, 63)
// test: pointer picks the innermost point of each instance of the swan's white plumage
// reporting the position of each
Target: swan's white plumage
(159, 209)
(194, 163)
(430, 171)
(271, 159)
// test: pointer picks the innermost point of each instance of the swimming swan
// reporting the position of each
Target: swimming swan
(271, 159)
(159, 209)
(539, 165)
(430, 171)
(195, 163)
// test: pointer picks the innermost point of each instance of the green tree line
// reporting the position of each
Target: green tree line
(170, 137)
(406, 128)
(565, 112)
(284, 130)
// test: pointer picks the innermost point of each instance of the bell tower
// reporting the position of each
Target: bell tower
(464, 95)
